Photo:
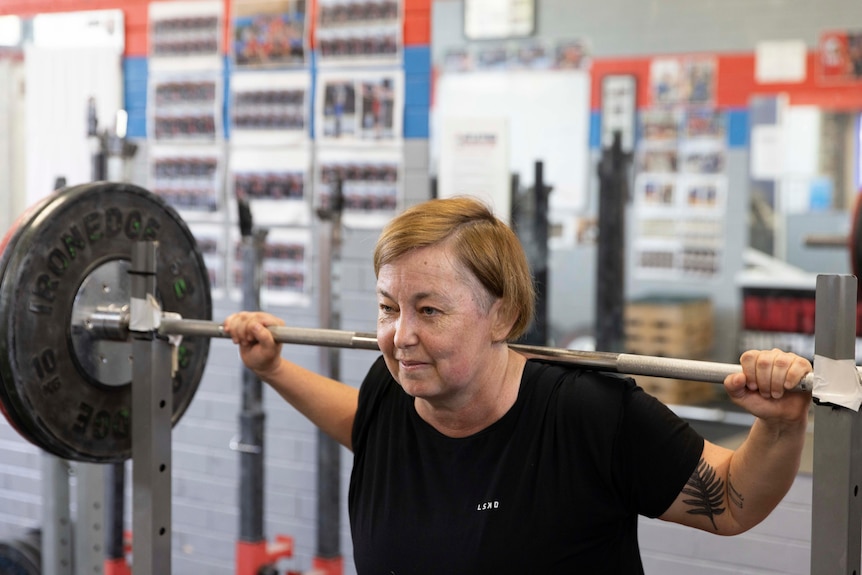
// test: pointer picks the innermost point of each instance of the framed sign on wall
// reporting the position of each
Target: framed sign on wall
(499, 19)
(619, 109)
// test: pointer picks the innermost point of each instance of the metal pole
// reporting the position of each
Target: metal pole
(529, 217)
(328, 555)
(251, 419)
(56, 521)
(539, 333)
(836, 505)
(89, 556)
(610, 257)
(114, 475)
(115, 488)
(152, 397)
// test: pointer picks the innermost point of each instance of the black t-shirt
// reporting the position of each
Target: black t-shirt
(555, 486)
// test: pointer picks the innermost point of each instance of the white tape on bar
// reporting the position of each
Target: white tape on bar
(174, 340)
(144, 315)
(836, 381)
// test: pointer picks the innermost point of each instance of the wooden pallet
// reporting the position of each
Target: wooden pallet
(669, 327)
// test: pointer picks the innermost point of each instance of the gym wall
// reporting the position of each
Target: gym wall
(205, 470)
(624, 37)
(624, 34)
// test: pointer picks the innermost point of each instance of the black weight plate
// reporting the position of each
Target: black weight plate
(52, 399)
(9, 240)
(21, 556)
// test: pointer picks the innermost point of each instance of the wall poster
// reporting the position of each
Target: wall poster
(839, 56)
(680, 193)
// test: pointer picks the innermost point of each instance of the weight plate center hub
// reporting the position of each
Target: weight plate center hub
(105, 289)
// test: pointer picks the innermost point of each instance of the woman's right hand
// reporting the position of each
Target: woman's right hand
(257, 347)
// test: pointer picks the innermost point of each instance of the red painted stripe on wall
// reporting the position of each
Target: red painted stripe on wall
(136, 18)
(417, 18)
(736, 83)
(417, 29)
(417, 22)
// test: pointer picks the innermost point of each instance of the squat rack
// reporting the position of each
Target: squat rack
(836, 524)
(836, 534)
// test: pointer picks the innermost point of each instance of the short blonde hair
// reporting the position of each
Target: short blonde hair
(482, 243)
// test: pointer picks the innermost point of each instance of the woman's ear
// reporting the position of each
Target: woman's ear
(502, 321)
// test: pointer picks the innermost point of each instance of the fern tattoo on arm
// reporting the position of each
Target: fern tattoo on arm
(733, 495)
(706, 491)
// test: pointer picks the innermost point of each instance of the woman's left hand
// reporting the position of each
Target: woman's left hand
(763, 388)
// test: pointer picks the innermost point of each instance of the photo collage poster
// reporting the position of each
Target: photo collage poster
(524, 54)
(680, 187)
(263, 132)
(269, 164)
(358, 109)
(358, 33)
(184, 118)
(285, 268)
(275, 182)
(269, 34)
(371, 184)
(839, 57)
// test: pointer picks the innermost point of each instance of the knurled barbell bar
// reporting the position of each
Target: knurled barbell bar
(65, 352)
(624, 363)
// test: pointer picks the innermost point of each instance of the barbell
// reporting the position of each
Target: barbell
(65, 348)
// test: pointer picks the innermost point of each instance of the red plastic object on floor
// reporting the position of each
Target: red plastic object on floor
(332, 566)
(250, 557)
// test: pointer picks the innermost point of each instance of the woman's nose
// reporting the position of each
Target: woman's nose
(405, 332)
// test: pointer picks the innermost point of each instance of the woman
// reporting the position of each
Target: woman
(469, 458)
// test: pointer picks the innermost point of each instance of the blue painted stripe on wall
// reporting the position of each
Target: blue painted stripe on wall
(595, 130)
(312, 93)
(416, 124)
(417, 60)
(417, 91)
(135, 71)
(737, 128)
(227, 70)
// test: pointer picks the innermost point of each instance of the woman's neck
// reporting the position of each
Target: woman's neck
(485, 404)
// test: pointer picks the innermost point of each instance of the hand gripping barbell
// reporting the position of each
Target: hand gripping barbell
(65, 355)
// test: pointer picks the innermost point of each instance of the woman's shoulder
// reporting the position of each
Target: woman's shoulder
(556, 377)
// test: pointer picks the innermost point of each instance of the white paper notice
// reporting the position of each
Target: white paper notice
(783, 62)
(474, 161)
(767, 158)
